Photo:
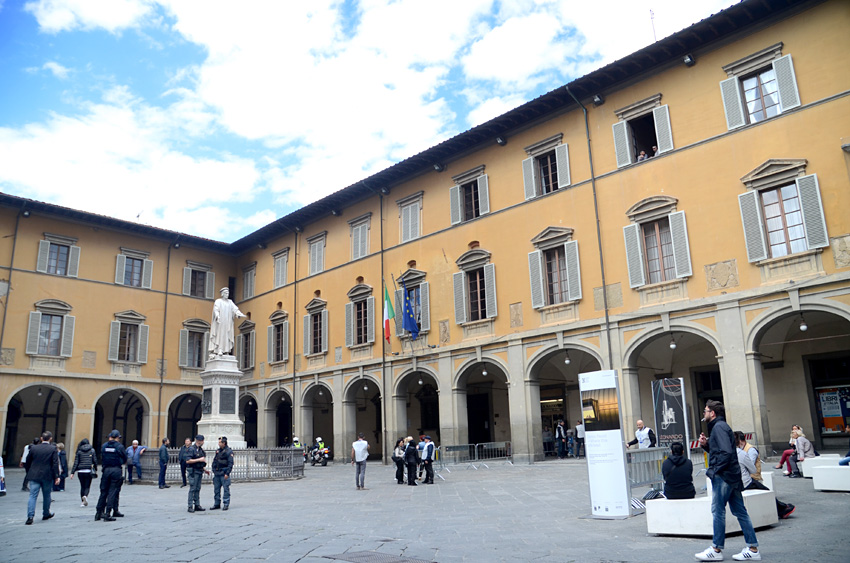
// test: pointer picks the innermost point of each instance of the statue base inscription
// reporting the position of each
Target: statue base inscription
(220, 413)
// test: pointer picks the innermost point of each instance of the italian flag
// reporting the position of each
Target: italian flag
(389, 314)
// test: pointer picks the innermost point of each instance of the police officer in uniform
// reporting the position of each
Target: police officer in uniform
(196, 461)
(113, 457)
(222, 466)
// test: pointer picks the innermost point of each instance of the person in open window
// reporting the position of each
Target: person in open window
(678, 473)
(654, 151)
(642, 156)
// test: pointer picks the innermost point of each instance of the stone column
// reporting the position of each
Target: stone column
(629, 398)
(220, 414)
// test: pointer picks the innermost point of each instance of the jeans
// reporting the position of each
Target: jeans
(562, 448)
(46, 487)
(138, 467)
(162, 466)
(579, 447)
(845, 461)
(218, 481)
(360, 473)
(183, 472)
(195, 487)
(723, 494)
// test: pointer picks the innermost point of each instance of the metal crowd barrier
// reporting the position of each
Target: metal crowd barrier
(473, 455)
(252, 464)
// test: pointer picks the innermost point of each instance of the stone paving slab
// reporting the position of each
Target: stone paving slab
(533, 512)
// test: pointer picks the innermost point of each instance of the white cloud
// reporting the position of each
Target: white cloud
(58, 70)
(54, 16)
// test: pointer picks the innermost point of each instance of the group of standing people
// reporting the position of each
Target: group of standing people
(409, 455)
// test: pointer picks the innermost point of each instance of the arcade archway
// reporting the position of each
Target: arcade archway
(184, 412)
(486, 410)
(363, 413)
(248, 414)
(31, 411)
(317, 418)
(125, 410)
(279, 419)
(417, 405)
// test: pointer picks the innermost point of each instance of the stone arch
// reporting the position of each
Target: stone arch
(20, 431)
(313, 421)
(543, 354)
(407, 373)
(352, 386)
(249, 412)
(636, 346)
(417, 405)
(482, 400)
(179, 428)
(278, 414)
(766, 319)
(273, 396)
(102, 418)
(463, 371)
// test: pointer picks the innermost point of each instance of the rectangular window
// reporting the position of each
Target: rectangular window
(760, 86)
(248, 277)
(278, 342)
(57, 262)
(783, 221)
(281, 259)
(50, 335)
(547, 170)
(477, 295)
(471, 209)
(316, 333)
(761, 93)
(359, 240)
(198, 287)
(556, 276)
(414, 294)
(410, 221)
(361, 323)
(644, 131)
(196, 350)
(246, 360)
(128, 343)
(133, 272)
(658, 246)
(317, 256)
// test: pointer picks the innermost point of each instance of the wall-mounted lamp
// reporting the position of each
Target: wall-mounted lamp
(672, 343)
(689, 60)
(598, 100)
(299, 229)
(336, 212)
(39, 392)
(439, 167)
(25, 213)
(250, 403)
(484, 372)
(803, 326)
(321, 392)
(567, 358)
(262, 246)
(501, 141)
(176, 245)
(120, 395)
(189, 400)
(420, 381)
(366, 387)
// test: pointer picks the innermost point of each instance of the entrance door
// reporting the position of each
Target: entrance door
(478, 418)
(708, 386)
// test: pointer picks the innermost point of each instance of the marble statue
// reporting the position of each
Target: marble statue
(225, 312)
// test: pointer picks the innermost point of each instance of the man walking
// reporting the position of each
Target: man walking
(580, 438)
(428, 455)
(35, 441)
(222, 467)
(725, 474)
(644, 437)
(163, 463)
(183, 456)
(197, 461)
(113, 456)
(411, 458)
(359, 453)
(133, 453)
(42, 467)
(561, 439)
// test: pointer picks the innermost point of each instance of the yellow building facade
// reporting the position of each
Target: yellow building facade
(534, 247)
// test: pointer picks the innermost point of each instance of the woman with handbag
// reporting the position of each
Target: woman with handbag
(398, 459)
(85, 463)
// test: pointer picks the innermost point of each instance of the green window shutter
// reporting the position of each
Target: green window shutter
(270, 344)
(187, 281)
(74, 262)
(528, 178)
(663, 129)
(325, 331)
(455, 204)
(370, 319)
(43, 256)
(483, 195)
(622, 144)
(425, 305)
(307, 335)
(114, 340)
(399, 312)
(459, 286)
(143, 343)
(147, 274)
(349, 325)
(67, 336)
(490, 289)
(210, 289)
(183, 351)
(285, 352)
(120, 263)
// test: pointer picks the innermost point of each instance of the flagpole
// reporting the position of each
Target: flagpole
(395, 286)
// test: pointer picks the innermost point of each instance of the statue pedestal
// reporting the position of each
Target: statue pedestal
(220, 413)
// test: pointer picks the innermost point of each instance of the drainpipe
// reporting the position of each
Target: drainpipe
(598, 231)
(162, 351)
(11, 267)
(295, 319)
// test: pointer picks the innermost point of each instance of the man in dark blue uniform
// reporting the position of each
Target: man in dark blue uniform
(196, 462)
(222, 467)
(113, 457)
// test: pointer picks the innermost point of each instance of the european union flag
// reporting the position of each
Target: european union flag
(408, 318)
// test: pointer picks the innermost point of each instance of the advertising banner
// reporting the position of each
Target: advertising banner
(607, 474)
(668, 400)
(833, 408)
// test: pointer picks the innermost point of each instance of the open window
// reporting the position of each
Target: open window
(643, 131)
(470, 196)
(51, 329)
(58, 255)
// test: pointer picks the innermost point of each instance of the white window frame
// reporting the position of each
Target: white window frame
(42, 261)
(66, 339)
(249, 279)
(359, 294)
(246, 336)
(531, 170)
(549, 239)
(410, 217)
(121, 264)
(316, 306)
(281, 265)
(456, 195)
(193, 326)
(623, 137)
(316, 245)
(128, 318)
(278, 319)
(209, 283)
(731, 91)
(646, 211)
(360, 229)
(469, 261)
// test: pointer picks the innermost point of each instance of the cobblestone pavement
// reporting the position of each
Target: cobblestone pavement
(533, 512)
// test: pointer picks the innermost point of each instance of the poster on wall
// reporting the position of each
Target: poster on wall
(668, 400)
(833, 408)
(607, 474)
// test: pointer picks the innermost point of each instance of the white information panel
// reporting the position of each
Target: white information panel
(607, 474)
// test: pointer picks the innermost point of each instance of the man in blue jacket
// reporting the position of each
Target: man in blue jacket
(133, 453)
(222, 467)
(727, 486)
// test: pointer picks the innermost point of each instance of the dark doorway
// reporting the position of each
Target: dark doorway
(708, 386)
(284, 423)
(478, 418)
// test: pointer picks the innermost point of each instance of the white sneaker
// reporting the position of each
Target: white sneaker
(85, 501)
(710, 555)
(747, 555)
(82, 504)
(786, 472)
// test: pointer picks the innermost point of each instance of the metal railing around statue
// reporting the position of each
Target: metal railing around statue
(252, 464)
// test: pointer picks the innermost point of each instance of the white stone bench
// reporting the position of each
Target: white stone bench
(692, 517)
(818, 461)
(766, 479)
(831, 477)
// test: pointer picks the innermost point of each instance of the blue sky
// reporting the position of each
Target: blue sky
(215, 118)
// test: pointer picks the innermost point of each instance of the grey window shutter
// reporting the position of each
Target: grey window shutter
(364, 239)
(285, 351)
(483, 194)
(733, 104)
(681, 247)
(535, 274)
(622, 146)
(147, 274)
(279, 272)
(143, 343)
(252, 350)
(187, 281)
(205, 349)
(812, 207)
(414, 221)
(490, 290)
(562, 160)
(455, 204)
(183, 351)
(349, 325)
(370, 319)
(786, 82)
(210, 289)
(67, 347)
(43, 256)
(634, 255)
(399, 312)
(355, 242)
(425, 305)
(405, 223)
(663, 130)
(573, 270)
(114, 340)
(459, 286)
(33, 331)
(74, 262)
(753, 226)
(120, 264)
(240, 357)
(314, 258)
(270, 344)
(307, 335)
(324, 331)
(528, 178)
